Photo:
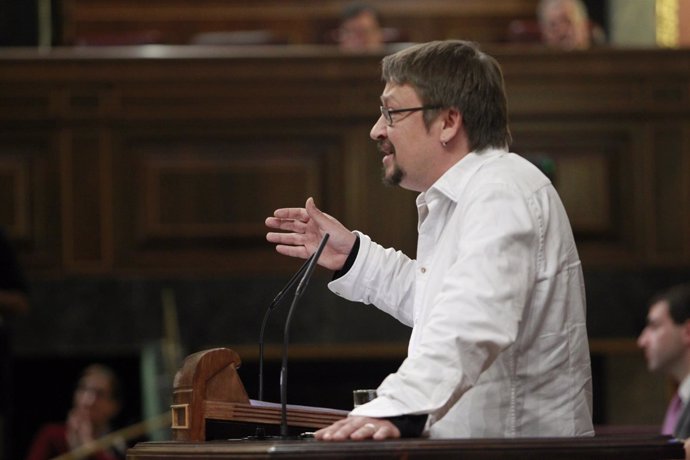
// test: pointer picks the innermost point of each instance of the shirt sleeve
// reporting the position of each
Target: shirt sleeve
(380, 276)
(349, 261)
(410, 426)
(477, 310)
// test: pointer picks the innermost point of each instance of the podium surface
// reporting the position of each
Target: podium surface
(213, 418)
(629, 447)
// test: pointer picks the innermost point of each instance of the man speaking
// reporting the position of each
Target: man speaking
(495, 296)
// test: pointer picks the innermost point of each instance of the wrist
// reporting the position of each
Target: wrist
(349, 260)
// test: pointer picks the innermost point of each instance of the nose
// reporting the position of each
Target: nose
(378, 131)
(641, 340)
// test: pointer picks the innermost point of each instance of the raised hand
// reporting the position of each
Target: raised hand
(79, 428)
(302, 230)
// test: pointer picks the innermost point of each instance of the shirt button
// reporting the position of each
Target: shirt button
(423, 269)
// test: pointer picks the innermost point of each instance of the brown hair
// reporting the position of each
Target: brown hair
(678, 298)
(455, 73)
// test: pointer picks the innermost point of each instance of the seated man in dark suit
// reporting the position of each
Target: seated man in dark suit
(666, 344)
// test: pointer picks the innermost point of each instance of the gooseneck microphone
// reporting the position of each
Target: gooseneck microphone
(276, 301)
(283, 370)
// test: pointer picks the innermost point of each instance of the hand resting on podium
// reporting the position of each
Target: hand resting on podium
(358, 428)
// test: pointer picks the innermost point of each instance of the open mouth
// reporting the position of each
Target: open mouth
(386, 148)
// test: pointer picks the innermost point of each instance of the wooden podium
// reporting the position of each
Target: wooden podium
(621, 447)
(210, 402)
(207, 389)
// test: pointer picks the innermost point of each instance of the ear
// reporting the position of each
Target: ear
(452, 123)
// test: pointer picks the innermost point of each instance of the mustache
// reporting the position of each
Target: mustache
(385, 147)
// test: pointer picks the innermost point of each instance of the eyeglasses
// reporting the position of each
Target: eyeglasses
(388, 113)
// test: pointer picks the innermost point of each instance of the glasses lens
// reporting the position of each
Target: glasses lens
(386, 115)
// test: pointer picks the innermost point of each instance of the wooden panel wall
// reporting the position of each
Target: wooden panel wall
(124, 172)
(290, 21)
(167, 159)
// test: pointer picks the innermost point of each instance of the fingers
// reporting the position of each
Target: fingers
(289, 244)
(297, 232)
(286, 238)
(388, 431)
(290, 225)
(315, 213)
(292, 214)
(288, 220)
(284, 217)
(338, 431)
(366, 431)
(293, 251)
(79, 428)
(358, 428)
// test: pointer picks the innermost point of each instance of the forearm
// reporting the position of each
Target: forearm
(379, 276)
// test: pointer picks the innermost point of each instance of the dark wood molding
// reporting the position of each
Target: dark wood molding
(166, 159)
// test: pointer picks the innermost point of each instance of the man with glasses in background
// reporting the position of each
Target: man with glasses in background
(360, 29)
(496, 294)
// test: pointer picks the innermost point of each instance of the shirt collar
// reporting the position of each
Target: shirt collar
(453, 181)
(684, 389)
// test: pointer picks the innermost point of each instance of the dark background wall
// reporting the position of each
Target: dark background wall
(127, 175)
(129, 172)
(78, 321)
(19, 22)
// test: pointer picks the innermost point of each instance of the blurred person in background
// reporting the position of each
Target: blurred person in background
(96, 401)
(360, 29)
(665, 341)
(565, 24)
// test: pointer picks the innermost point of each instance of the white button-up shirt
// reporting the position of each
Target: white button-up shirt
(497, 304)
(684, 390)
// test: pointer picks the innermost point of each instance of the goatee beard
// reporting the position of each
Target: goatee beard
(385, 147)
(395, 178)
